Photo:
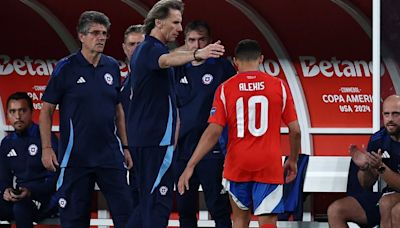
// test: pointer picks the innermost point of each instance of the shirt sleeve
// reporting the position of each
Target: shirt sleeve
(375, 141)
(55, 87)
(154, 55)
(218, 109)
(288, 109)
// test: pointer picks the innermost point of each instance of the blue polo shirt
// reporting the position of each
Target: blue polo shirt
(151, 118)
(87, 98)
(20, 156)
(195, 88)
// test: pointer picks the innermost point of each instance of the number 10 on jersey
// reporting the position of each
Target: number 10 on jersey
(251, 110)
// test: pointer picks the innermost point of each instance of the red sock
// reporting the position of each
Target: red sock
(268, 226)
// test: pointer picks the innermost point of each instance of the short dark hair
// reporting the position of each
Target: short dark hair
(133, 28)
(20, 96)
(197, 25)
(247, 50)
(160, 11)
(92, 17)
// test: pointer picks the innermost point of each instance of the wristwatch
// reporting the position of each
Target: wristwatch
(381, 169)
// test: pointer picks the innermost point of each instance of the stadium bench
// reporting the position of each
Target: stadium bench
(324, 174)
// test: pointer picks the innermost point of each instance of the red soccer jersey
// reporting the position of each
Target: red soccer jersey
(252, 105)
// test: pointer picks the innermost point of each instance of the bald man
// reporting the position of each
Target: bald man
(382, 160)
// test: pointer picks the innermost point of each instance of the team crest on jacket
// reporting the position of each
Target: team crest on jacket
(163, 190)
(62, 202)
(109, 79)
(207, 79)
(33, 149)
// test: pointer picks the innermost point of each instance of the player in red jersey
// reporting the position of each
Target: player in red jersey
(251, 104)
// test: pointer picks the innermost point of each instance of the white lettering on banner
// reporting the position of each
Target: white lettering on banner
(310, 67)
(350, 90)
(39, 87)
(270, 67)
(26, 66)
(333, 98)
(359, 98)
(349, 96)
(340, 68)
(35, 96)
(37, 67)
(251, 86)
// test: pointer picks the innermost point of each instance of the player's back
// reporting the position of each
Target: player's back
(255, 104)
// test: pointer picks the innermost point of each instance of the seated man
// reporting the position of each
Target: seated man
(29, 198)
(382, 160)
(359, 206)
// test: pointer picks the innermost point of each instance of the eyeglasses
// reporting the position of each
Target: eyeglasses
(97, 33)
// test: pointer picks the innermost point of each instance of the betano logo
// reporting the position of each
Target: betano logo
(25, 66)
(36, 67)
(310, 67)
(341, 68)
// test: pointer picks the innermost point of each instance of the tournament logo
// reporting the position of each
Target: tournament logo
(109, 79)
(163, 190)
(207, 79)
(33, 149)
(62, 202)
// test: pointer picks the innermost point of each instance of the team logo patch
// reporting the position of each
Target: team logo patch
(109, 79)
(163, 190)
(33, 149)
(207, 79)
(62, 202)
(213, 110)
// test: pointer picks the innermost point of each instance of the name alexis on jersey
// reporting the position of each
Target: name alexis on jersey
(251, 86)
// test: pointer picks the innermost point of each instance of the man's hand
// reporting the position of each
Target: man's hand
(128, 159)
(49, 159)
(214, 50)
(10, 196)
(359, 157)
(183, 183)
(290, 168)
(375, 159)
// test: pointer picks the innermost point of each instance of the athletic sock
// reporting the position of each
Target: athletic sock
(268, 226)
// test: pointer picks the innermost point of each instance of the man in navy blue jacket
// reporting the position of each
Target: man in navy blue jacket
(133, 36)
(196, 83)
(152, 118)
(93, 143)
(30, 198)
